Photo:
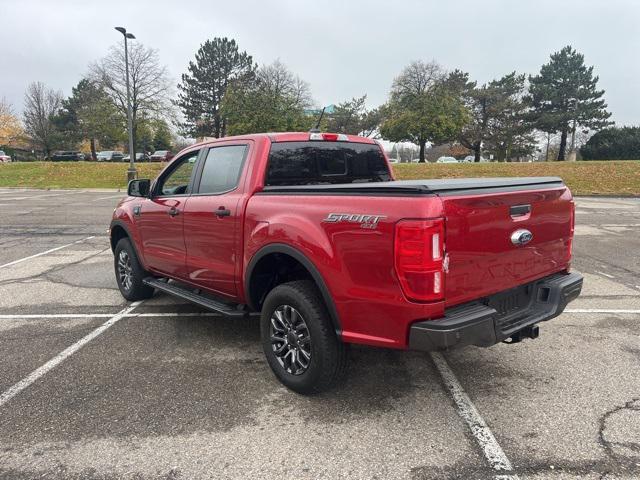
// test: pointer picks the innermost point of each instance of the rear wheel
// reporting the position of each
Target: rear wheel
(129, 272)
(299, 340)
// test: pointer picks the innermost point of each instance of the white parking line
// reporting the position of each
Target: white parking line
(28, 316)
(601, 310)
(62, 356)
(47, 252)
(110, 196)
(479, 429)
(44, 195)
(605, 274)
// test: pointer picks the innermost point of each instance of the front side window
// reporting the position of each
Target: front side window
(177, 181)
(222, 169)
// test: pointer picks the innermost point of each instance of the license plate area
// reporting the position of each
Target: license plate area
(512, 307)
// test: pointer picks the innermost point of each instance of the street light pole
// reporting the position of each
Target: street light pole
(131, 172)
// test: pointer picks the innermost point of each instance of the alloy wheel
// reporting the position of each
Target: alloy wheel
(125, 270)
(290, 339)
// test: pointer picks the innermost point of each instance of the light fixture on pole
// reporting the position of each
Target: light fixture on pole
(131, 172)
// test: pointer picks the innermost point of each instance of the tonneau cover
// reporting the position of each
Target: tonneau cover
(424, 187)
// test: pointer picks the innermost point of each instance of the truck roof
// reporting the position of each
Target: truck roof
(284, 137)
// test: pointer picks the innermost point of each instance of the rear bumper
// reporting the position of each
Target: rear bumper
(498, 317)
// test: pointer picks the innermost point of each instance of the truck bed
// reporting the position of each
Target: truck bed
(450, 186)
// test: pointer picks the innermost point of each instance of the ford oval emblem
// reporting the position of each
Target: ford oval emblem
(521, 237)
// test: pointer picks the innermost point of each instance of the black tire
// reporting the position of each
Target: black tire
(328, 354)
(132, 289)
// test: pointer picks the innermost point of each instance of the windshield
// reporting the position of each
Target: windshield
(317, 163)
(160, 152)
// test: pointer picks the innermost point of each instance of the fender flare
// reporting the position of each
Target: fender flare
(123, 225)
(306, 263)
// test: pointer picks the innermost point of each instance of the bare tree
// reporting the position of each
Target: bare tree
(280, 82)
(40, 104)
(5, 107)
(417, 78)
(150, 82)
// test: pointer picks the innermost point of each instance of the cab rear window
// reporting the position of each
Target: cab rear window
(318, 163)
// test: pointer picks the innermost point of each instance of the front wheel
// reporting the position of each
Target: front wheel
(299, 340)
(129, 272)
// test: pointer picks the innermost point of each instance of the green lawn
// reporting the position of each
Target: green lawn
(584, 178)
(71, 174)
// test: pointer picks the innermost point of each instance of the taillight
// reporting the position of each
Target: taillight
(572, 226)
(419, 254)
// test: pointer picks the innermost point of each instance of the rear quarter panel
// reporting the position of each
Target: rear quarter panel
(356, 264)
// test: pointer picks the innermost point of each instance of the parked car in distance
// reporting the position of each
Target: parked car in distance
(447, 160)
(110, 156)
(471, 159)
(67, 155)
(161, 156)
(394, 160)
(140, 157)
(4, 158)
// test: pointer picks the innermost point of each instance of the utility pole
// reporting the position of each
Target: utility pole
(131, 172)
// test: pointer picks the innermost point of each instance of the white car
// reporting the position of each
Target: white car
(447, 160)
(4, 158)
(472, 158)
(394, 160)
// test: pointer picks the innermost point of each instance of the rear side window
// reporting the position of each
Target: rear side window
(317, 163)
(222, 169)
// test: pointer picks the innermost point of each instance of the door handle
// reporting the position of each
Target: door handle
(173, 211)
(223, 212)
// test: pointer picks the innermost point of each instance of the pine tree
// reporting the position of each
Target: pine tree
(88, 114)
(564, 96)
(217, 64)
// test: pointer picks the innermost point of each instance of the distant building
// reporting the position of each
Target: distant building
(329, 109)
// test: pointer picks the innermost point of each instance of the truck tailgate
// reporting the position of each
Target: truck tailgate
(483, 259)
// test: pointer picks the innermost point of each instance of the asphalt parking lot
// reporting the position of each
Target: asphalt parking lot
(92, 388)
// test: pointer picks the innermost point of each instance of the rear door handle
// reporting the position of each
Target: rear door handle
(173, 211)
(223, 212)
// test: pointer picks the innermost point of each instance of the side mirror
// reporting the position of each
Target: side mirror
(139, 188)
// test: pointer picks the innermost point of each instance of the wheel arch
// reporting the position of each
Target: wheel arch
(279, 250)
(119, 230)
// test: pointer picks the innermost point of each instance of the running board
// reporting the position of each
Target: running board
(193, 297)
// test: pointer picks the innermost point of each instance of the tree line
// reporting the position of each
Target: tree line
(95, 114)
(225, 92)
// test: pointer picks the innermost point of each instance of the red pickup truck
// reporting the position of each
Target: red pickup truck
(311, 232)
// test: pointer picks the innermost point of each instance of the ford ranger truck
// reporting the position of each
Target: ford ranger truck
(312, 233)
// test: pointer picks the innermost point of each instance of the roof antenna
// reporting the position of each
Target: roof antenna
(316, 129)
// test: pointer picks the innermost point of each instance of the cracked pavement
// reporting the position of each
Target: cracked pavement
(190, 396)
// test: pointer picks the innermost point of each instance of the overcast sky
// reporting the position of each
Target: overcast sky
(342, 48)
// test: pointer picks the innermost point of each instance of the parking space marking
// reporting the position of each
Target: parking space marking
(27, 316)
(491, 449)
(120, 195)
(602, 310)
(44, 195)
(604, 274)
(47, 252)
(62, 356)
